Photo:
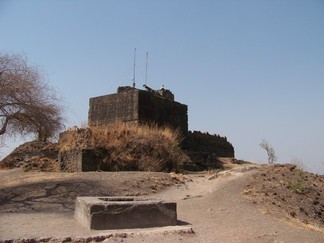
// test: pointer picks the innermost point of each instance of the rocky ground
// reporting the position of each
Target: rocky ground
(27, 192)
(33, 156)
(245, 203)
(289, 190)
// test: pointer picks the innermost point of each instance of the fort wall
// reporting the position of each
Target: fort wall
(137, 106)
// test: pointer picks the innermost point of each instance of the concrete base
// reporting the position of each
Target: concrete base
(102, 213)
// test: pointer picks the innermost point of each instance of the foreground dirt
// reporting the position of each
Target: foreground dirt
(28, 192)
(229, 206)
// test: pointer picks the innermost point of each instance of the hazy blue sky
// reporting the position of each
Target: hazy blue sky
(248, 70)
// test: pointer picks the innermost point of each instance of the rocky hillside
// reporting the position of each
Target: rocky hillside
(287, 189)
(124, 148)
(33, 156)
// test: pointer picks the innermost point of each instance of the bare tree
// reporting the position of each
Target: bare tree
(270, 151)
(27, 105)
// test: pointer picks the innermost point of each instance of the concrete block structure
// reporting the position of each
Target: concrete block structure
(103, 213)
(132, 105)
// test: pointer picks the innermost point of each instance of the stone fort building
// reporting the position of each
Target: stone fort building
(132, 105)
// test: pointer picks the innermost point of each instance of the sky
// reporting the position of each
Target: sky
(248, 70)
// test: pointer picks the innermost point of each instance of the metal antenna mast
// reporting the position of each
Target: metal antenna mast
(134, 68)
(146, 68)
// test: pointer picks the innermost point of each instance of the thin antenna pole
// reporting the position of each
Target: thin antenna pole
(134, 68)
(146, 68)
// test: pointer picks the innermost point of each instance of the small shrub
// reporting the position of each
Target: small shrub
(297, 186)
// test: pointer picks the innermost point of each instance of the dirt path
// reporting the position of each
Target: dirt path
(218, 212)
(212, 205)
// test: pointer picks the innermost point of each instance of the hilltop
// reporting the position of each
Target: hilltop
(244, 202)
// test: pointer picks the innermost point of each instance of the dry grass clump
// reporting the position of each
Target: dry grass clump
(130, 147)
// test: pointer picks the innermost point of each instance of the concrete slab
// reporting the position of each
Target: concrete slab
(102, 213)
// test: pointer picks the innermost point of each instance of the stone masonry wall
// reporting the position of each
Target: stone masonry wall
(162, 111)
(204, 142)
(70, 161)
(139, 106)
(78, 160)
(108, 109)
